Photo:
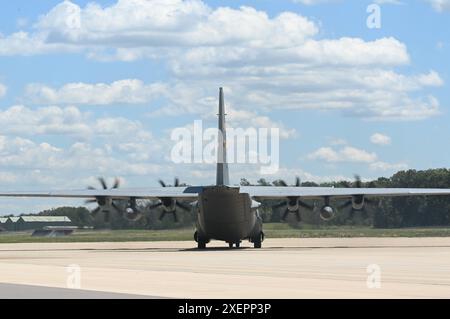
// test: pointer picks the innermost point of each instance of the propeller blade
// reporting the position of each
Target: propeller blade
(297, 181)
(155, 205)
(305, 205)
(364, 213)
(116, 183)
(163, 214)
(358, 183)
(161, 182)
(103, 182)
(117, 208)
(286, 212)
(299, 218)
(177, 182)
(183, 206)
(283, 183)
(351, 213)
(345, 205)
(96, 211)
(175, 217)
(282, 204)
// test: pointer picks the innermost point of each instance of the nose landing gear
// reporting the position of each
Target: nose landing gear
(238, 244)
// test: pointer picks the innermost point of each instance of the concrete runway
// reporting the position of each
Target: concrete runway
(11, 291)
(284, 268)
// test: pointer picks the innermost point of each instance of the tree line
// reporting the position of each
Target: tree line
(383, 212)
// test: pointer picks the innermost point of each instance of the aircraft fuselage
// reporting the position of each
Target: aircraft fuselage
(226, 214)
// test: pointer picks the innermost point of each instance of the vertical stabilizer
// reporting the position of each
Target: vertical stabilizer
(222, 177)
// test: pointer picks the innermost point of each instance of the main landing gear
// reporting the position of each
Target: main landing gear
(257, 240)
(201, 242)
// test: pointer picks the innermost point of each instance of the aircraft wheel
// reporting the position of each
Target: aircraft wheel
(257, 241)
(201, 244)
(238, 245)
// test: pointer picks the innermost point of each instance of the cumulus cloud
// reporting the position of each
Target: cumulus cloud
(349, 154)
(271, 61)
(21, 120)
(345, 154)
(25, 44)
(128, 91)
(312, 2)
(440, 5)
(394, 2)
(170, 23)
(380, 139)
(383, 166)
(92, 144)
(245, 119)
(2, 90)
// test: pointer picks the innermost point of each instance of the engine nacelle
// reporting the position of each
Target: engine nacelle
(133, 215)
(358, 202)
(105, 203)
(168, 204)
(327, 213)
(292, 204)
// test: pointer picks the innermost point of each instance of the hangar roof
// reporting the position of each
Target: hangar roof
(46, 219)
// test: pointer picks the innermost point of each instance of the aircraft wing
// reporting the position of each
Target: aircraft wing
(277, 192)
(257, 192)
(189, 192)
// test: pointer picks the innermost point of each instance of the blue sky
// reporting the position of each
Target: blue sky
(95, 88)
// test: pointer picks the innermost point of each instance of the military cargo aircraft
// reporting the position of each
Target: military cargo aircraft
(225, 212)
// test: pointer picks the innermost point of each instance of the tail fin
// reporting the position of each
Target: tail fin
(222, 177)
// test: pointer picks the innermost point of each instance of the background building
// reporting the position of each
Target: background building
(3, 221)
(35, 222)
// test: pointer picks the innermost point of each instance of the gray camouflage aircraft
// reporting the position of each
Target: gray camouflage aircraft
(225, 212)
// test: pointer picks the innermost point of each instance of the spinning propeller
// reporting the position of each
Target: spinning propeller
(170, 204)
(105, 204)
(293, 203)
(358, 202)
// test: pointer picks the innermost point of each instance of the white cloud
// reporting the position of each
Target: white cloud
(245, 119)
(349, 154)
(128, 91)
(394, 2)
(345, 154)
(270, 62)
(337, 141)
(312, 2)
(24, 44)
(2, 90)
(430, 79)
(21, 120)
(383, 166)
(7, 178)
(169, 23)
(380, 139)
(440, 5)
(88, 144)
